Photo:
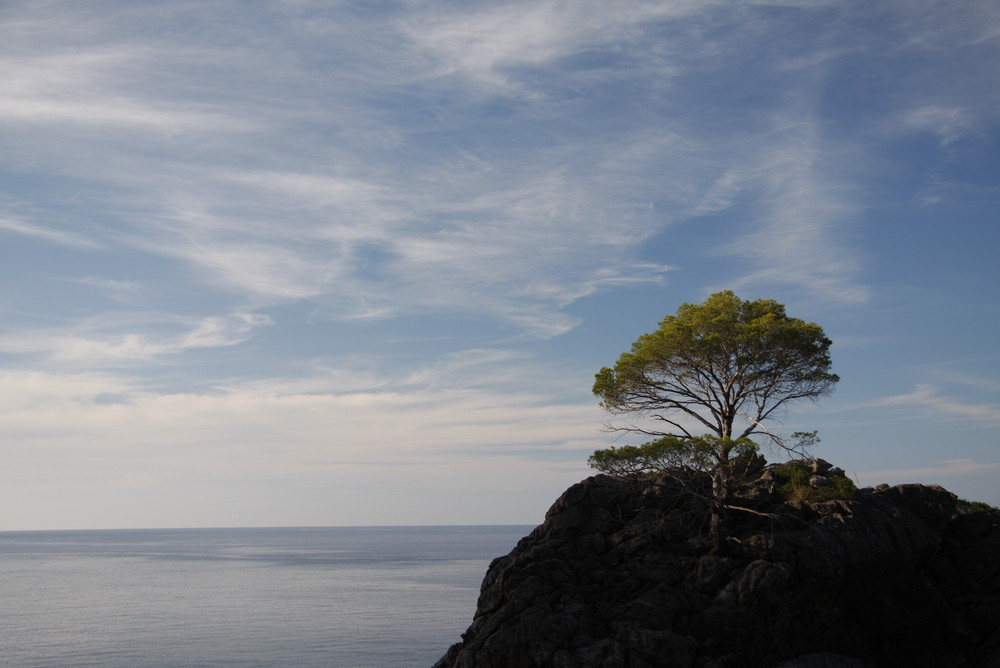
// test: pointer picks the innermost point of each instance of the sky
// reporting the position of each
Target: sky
(330, 263)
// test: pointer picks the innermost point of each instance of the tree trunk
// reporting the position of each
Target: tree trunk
(716, 530)
(720, 497)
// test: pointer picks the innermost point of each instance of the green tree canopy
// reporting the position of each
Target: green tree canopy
(674, 453)
(726, 365)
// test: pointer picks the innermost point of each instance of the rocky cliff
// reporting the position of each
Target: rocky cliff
(621, 574)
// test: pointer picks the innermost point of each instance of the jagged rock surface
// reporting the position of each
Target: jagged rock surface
(621, 574)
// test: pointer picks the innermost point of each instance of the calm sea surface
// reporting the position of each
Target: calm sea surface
(346, 597)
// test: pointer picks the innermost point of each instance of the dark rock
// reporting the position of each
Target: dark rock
(622, 573)
(824, 660)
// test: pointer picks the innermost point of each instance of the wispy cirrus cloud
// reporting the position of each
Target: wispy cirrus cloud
(949, 124)
(98, 87)
(483, 44)
(522, 248)
(804, 216)
(333, 422)
(93, 345)
(987, 384)
(800, 228)
(927, 396)
(279, 235)
(953, 54)
(806, 203)
(520, 231)
(946, 468)
(931, 26)
(16, 226)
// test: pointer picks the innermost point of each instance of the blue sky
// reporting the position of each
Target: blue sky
(356, 263)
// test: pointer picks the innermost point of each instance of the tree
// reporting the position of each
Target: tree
(726, 365)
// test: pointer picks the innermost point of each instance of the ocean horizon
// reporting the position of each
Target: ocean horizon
(357, 597)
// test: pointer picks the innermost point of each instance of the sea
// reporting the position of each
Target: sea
(351, 597)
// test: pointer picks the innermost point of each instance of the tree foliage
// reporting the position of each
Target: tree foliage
(692, 455)
(726, 365)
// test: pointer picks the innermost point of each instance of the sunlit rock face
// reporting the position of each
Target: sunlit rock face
(622, 573)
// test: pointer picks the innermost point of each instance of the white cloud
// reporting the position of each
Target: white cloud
(518, 233)
(84, 88)
(364, 203)
(521, 245)
(806, 207)
(468, 365)
(926, 396)
(721, 194)
(84, 347)
(335, 413)
(950, 125)
(950, 89)
(483, 44)
(126, 293)
(935, 27)
(215, 332)
(22, 391)
(947, 468)
(969, 380)
(94, 431)
(263, 270)
(46, 234)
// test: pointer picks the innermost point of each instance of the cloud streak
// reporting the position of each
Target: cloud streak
(87, 349)
(111, 432)
(926, 396)
(485, 45)
(946, 468)
(53, 236)
(807, 207)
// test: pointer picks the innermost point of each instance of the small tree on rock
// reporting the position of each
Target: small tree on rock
(727, 366)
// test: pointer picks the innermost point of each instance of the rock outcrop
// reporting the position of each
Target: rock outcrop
(622, 574)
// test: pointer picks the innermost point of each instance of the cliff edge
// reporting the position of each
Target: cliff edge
(621, 574)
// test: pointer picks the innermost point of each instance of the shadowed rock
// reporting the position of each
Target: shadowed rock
(621, 574)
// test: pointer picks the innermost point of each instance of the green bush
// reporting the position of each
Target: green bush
(795, 486)
(963, 506)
